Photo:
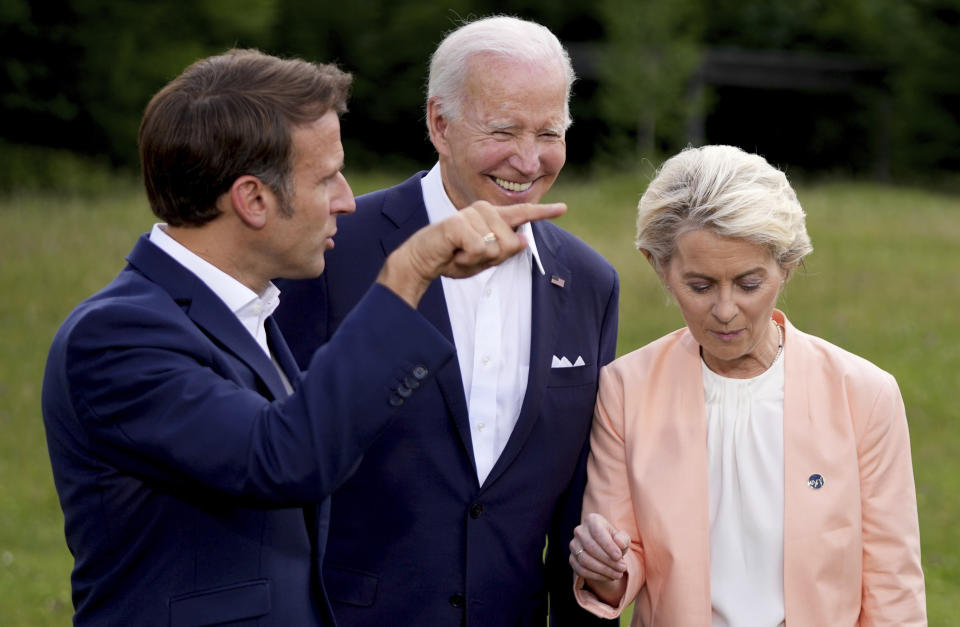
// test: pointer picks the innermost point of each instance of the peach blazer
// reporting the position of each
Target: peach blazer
(851, 548)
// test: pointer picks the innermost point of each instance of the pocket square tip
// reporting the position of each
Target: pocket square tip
(563, 362)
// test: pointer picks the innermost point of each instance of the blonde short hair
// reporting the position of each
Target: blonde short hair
(727, 192)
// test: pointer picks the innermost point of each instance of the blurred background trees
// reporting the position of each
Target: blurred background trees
(855, 87)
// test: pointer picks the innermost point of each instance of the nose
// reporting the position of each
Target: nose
(526, 156)
(725, 309)
(342, 202)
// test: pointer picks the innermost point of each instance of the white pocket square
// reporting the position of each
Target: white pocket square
(563, 362)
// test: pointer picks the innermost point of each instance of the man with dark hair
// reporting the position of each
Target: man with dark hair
(491, 465)
(192, 459)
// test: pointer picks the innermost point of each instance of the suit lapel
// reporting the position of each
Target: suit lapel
(406, 213)
(213, 316)
(675, 508)
(547, 302)
(206, 310)
(281, 352)
(800, 434)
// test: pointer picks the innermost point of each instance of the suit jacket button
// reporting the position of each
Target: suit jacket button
(476, 511)
(404, 391)
(457, 600)
(395, 401)
(420, 372)
(411, 382)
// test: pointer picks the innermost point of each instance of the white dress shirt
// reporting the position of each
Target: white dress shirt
(745, 477)
(490, 317)
(251, 309)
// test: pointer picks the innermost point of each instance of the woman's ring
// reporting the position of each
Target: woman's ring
(576, 554)
(489, 238)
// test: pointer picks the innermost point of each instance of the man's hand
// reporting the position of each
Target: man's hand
(477, 237)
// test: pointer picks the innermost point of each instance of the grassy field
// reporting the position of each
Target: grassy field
(883, 281)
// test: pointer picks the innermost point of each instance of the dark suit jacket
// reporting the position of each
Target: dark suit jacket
(189, 480)
(414, 540)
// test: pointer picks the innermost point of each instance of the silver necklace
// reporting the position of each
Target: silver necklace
(780, 335)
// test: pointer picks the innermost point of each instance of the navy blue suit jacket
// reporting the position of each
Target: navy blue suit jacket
(414, 539)
(194, 489)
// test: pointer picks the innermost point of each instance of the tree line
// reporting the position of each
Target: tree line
(78, 73)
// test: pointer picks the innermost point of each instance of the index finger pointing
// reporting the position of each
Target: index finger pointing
(515, 215)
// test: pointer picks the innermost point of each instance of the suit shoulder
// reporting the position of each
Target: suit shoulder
(378, 209)
(574, 244)
(577, 253)
(648, 358)
(374, 202)
(838, 363)
(125, 308)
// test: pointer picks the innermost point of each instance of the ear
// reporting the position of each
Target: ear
(437, 124)
(785, 274)
(651, 261)
(661, 272)
(251, 200)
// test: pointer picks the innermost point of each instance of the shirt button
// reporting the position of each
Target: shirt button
(485, 360)
(481, 425)
(489, 291)
(457, 600)
(476, 511)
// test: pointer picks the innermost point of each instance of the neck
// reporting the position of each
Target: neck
(213, 247)
(754, 363)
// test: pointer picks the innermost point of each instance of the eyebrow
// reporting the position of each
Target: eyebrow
(700, 275)
(497, 125)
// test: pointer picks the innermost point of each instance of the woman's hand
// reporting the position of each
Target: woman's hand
(597, 554)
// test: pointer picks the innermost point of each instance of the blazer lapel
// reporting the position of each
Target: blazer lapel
(281, 352)
(547, 304)
(676, 507)
(803, 449)
(405, 210)
(206, 310)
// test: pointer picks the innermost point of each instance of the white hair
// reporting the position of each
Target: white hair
(501, 35)
(727, 192)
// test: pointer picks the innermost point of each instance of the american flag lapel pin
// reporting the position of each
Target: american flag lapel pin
(556, 280)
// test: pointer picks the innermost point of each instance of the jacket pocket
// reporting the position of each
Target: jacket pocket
(353, 587)
(572, 377)
(240, 601)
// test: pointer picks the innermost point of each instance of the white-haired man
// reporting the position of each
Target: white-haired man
(446, 518)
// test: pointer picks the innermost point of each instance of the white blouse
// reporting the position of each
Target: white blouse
(745, 478)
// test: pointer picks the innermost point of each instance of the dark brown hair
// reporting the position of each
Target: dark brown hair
(227, 116)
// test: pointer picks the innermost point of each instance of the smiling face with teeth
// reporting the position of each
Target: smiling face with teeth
(507, 146)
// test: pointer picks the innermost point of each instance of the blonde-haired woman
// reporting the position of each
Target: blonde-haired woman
(743, 472)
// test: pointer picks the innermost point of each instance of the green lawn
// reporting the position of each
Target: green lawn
(883, 281)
